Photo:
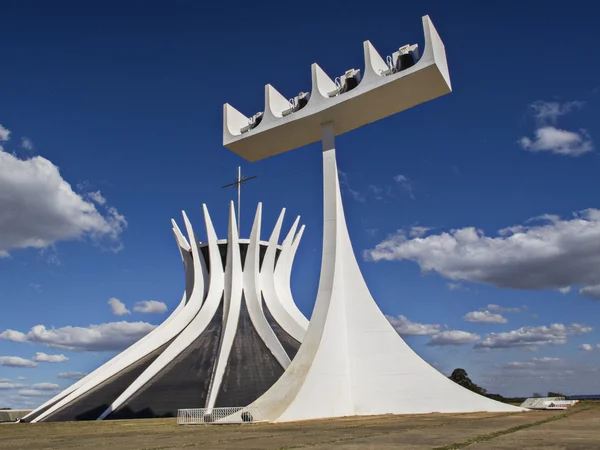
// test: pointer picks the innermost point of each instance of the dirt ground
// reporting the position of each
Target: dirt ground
(577, 429)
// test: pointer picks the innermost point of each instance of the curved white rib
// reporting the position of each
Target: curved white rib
(231, 315)
(200, 270)
(130, 350)
(186, 257)
(155, 341)
(276, 308)
(283, 273)
(252, 294)
(195, 328)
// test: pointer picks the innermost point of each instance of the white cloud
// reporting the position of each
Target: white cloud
(72, 375)
(27, 143)
(16, 361)
(34, 393)
(552, 139)
(532, 337)
(561, 142)
(546, 253)
(43, 357)
(40, 208)
(406, 184)
(455, 286)
(97, 197)
(4, 134)
(500, 309)
(452, 337)
(405, 327)
(591, 291)
(46, 386)
(150, 307)
(5, 385)
(565, 290)
(103, 337)
(586, 347)
(484, 317)
(21, 378)
(118, 307)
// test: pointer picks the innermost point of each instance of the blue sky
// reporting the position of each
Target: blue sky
(483, 200)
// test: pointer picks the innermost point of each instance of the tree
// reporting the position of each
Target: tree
(537, 395)
(460, 376)
(555, 394)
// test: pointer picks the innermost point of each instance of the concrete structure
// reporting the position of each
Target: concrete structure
(231, 337)
(351, 361)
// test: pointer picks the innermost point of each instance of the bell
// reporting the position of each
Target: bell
(257, 119)
(302, 100)
(405, 60)
(349, 84)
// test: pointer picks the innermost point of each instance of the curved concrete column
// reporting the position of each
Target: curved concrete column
(283, 273)
(156, 339)
(252, 294)
(295, 328)
(191, 332)
(231, 310)
(183, 248)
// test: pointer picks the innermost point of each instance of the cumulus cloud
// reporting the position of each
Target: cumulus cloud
(547, 137)
(405, 327)
(40, 208)
(4, 134)
(561, 142)
(456, 287)
(533, 337)
(484, 317)
(27, 143)
(43, 357)
(150, 307)
(586, 347)
(545, 253)
(104, 337)
(16, 361)
(118, 307)
(452, 337)
(591, 291)
(72, 375)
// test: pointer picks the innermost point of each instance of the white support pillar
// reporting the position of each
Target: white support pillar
(352, 361)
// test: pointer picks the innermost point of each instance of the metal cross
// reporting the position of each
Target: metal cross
(238, 183)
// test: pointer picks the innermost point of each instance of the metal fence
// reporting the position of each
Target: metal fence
(234, 414)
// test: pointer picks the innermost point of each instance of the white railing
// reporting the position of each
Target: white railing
(234, 414)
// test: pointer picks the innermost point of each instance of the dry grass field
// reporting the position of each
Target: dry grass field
(577, 429)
